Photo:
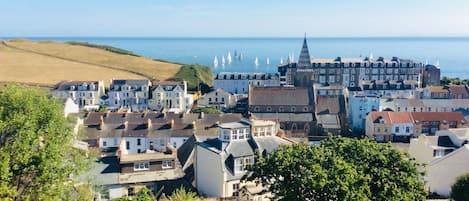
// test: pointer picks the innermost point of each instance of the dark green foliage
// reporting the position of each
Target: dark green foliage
(446, 81)
(207, 110)
(339, 169)
(105, 47)
(36, 156)
(195, 74)
(460, 189)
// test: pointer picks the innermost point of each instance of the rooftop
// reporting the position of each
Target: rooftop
(278, 96)
(149, 156)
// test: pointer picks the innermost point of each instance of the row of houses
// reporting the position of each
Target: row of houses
(134, 95)
(166, 151)
(402, 126)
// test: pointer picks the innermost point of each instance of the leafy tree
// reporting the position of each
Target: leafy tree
(339, 169)
(182, 194)
(460, 189)
(143, 195)
(36, 156)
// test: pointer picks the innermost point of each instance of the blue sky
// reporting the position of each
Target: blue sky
(243, 18)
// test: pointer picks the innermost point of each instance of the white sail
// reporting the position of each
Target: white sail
(223, 60)
(267, 61)
(256, 61)
(228, 58)
(281, 60)
(240, 56)
(215, 62)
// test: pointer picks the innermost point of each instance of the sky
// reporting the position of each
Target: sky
(240, 18)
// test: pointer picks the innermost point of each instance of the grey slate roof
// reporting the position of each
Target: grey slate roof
(67, 85)
(279, 96)
(130, 82)
(165, 84)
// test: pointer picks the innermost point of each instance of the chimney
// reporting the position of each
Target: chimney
(201, 116)
(149, 123)
(101, 123)
(126, 124)
(172, 123)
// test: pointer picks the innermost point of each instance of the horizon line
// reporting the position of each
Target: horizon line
(241, 37)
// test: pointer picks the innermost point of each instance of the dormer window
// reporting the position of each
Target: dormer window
(242, 162)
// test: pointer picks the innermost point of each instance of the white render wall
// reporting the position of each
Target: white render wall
(209, 179)
(442, 173)
(176, 142)
(402, 129)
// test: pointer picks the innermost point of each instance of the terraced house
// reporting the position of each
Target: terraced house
(170, 96)
(129, 94)
(86, 94)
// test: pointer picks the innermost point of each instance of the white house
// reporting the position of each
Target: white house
(238, 83)
(220, 162)
(70, 107)
(446, 156)
(170, 95)
(129, 94)
(218, 99)
(86, 94)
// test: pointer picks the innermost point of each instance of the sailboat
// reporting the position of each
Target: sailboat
(223, 60)
(228, 58)
(281, 60)
(215, 62)
(267, 61)
(256, 61)
(240, 56)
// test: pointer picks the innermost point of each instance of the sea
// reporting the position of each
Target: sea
(452, 53)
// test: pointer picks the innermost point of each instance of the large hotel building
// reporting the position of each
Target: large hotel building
(348, 72)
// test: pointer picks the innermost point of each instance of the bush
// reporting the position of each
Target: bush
(460, 189)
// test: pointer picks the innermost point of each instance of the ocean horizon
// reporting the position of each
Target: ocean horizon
(450, 51)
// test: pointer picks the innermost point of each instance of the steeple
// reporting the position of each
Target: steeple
(305, 60)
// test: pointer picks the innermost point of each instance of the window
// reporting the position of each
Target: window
(236, 190)
(131, 191)
(115, 141)
(226, 135)
(280, 109)
(223, 100)
(139, 141)
(396, 130)
(293, 108)
(127, 145)
(139, 151)
(407, 129)
(269, 108)
(167, 164)
(141, 166)
(242, 163)
(104, 143)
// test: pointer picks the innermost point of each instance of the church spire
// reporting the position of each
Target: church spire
(305, 60)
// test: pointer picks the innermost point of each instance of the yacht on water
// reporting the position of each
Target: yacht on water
(223, 60)
(267, 61)
(240, 56)
(215, 62)
(228, 58)
(281, 60)
(256, 61)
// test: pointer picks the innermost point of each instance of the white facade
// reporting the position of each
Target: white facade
(442, 173)
(238, 83)
(70, 107)
(171, 96)
(359, 107)
(402, 129)
(129, 94)
(86, 94)
(218, 170)
(218, 99)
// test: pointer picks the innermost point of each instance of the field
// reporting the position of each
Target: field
(46, 63)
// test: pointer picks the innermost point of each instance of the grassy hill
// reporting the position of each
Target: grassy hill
(195, 75)
(48, 62)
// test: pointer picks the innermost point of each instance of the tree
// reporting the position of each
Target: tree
(37, 160)
(181, 194)
(143, 195)
(460, 189)
(339, 169)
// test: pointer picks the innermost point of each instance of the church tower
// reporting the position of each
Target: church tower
(305, 60)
